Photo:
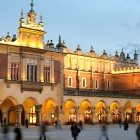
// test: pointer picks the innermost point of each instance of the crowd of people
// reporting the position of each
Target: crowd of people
(75, 129)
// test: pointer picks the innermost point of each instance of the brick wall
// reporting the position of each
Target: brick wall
(123, 82)
(3, 66)
(57, 71)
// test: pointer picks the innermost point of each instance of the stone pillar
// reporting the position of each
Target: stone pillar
(134, 115)
(108, 117)
(122, 114)
(4, 118)
(23, 69)
(56, 112)
(61, 111)
(77, 113)
(18, 112)
(96, 120)
(9, 67)
(41, 68)
(38, 114)
(92, 112)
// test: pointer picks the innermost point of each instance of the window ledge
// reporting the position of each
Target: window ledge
(29, 85)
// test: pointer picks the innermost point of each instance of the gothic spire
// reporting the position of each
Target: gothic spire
(21, 13)
(32, 5)
(92, 50)
(41, 18)
(122, 49)
(59, 39)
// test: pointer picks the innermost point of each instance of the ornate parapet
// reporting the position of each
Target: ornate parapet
(126, 70)
(102, 93)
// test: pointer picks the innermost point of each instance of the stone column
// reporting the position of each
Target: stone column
(23, 66)
(4, 118)
(18, 112)
(61, 111)
(96, 120)
(134, 115)
(38, 114)
(56, 112)
(108, 115)
(77, 113)
(92, 112)
(122, 114)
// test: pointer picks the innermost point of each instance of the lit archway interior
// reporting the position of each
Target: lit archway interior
(100, 112)
(29, 110)
(128, 112)
(138, 112)
(49, 111)
(115, 112)
(70, 111)
(9, 111)
(86, 112)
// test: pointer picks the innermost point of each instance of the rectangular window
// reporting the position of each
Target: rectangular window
(70, 81)
(96, 84)
(108, 85)
(84, 82)
(31, 72)
(47, 74)
(14, 71)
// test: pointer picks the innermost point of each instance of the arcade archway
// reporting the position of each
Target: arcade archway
(100, 111)
(29, 110)
(115, 112)
(70, 111)
(138, 112)
(86, 112)
(128, 112)
(49, 111)
(8, 111)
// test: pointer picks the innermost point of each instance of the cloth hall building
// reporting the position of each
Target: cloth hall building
(45, 82)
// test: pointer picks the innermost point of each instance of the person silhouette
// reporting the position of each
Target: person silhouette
(5, 130)
(26, 122)
(104, 133)
(138, 132)
(17, 131)
(42, 131)
(74, 131)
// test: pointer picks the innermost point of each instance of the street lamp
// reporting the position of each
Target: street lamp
(61, 106)
(52, 118)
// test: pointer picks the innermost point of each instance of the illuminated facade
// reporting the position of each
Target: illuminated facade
(44, 82)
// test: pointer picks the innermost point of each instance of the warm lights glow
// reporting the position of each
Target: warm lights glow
(126, 70)
(23, 77)
(32, 115)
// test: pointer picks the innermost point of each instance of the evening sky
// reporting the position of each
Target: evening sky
(105, 24)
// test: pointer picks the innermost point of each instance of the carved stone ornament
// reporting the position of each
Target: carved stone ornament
(34, 88)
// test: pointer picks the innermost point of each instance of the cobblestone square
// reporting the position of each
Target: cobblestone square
(90, 132)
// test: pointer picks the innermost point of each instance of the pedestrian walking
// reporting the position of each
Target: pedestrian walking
(59, 124)
(17, 131)
(81, 124)
(5, 130)
(138, 132)
(120, 122)
(74, 131)
(26, 123)
(125, 125)
(55, 124)
(42, 132)
(4, 121)
(103, 133)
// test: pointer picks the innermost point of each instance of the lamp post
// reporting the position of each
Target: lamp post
(61, 105)
(52, 118)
